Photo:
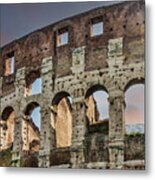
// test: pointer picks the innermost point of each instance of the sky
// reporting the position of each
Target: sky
(101, 98)
(36, 117)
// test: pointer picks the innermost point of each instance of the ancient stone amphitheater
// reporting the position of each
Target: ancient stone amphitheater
(102, 49)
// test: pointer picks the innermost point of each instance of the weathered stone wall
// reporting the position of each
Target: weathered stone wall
(113, 60)
(96, 143)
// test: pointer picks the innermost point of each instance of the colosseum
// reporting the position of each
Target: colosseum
(101, 49)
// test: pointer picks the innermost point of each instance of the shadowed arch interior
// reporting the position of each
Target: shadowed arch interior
(6, 112)
(7, 127)
(62, 121)
(31, 76)
(30, 107)
(58, 97)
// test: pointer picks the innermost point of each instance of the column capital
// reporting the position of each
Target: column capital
(118, 98)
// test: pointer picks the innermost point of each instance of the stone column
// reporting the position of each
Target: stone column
(116, 129)
(2, 135)
(78, 133)
(18, 143)
(46, 137)
(79, 111)
(47, 131)
(25, 135)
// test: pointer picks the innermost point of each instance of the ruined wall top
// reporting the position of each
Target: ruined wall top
(123, 20)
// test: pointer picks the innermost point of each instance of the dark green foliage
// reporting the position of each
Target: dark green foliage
(134, 146)
(5, 158)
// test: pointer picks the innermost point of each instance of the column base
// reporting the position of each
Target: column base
(16, 159)
(44, 159)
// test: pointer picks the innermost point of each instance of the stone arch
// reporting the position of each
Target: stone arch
(57, 98)
(94, 88)
(133, 81)
(30, 107)
(7, 128)
(96, 96)
(33, 83)
(62, 121)
(31, 127)
(5, 113)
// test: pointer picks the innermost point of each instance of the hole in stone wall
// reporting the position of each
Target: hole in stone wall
(9, 65)
(124, 26)
(137, 23)
(62, 37)
(36, 86)
(96, 26)
(33, 84)
(111, 29)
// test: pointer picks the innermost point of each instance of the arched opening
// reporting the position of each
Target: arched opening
(7, 128)
(61, 108)
(97, 115)
(134, 122)
(97, 104)
(31, 127)
(33, 83)
(134, 111)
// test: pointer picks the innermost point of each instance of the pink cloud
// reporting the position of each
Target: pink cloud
(134, 115)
